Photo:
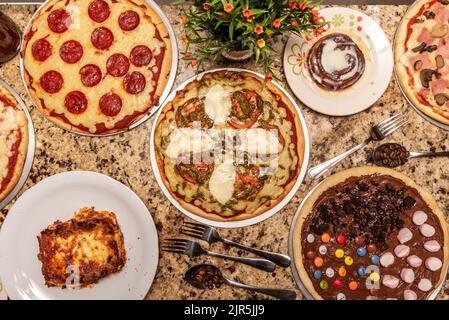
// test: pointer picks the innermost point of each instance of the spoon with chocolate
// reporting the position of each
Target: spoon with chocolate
(207, 276)
(393, 155)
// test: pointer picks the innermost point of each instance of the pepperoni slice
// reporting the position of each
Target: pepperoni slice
(117, 65)
(52, 81)
(134, 82)
(141, 56)
(110, 104)
(71, 51)
(59, 21)
(102, 38)
(90, 75)
(75, 102)
(41, 49)
(128, 20)
(99, 11)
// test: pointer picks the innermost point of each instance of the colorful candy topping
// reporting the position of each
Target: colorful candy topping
(341, 239)
(353, 285)
(330, 272)
(374, 276)
(322, 249)
(361, 251)
(342, 272)
(359, 241)
(361, 271)
(432, 246)
(349, 261)
(425, 285)
(318, 261)
(414, 261)
(310, 255)
(325, 237)
(341, 296)
(433, 264)
(317, 274)
(408, 275)
(375, 259)
(310, 238)
(337, 283)
(339, 253)
(427, 230)
(324, 285)
(390, 281)
(372, 248)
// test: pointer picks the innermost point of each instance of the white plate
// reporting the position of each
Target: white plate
(168, 86)
(364, 92)
(30, 150)
(58, 198)
(241, 223)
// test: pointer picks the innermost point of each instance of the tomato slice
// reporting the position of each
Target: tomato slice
(192, 113)
(247, 106)
(248, 183)
(196, 173)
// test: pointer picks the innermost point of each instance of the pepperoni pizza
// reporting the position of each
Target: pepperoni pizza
(96, 66)
(13, 141)
(422, 57)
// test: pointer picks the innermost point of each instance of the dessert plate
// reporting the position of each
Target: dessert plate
(58, 198)
(367, 90)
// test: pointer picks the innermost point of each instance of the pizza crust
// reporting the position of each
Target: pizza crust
(23, 147)
(341, 177)
(160, 85)
(401, 71)
(300, 150)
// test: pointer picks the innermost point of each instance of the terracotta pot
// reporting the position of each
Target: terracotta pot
(240, 55)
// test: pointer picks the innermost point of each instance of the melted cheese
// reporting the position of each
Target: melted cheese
(259, 141)
(187, 140)
(221, 183)
(9, 120)
(218, 104)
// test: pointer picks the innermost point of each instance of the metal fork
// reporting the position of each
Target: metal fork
(377, 133)
(194, 249)
(211, 235)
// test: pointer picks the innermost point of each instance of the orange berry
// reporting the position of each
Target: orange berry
(206, 6)
(318, 262)
(194, 63)
(228, 7)
(325, 237)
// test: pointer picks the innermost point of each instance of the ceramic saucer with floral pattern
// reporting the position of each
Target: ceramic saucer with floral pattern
(343, 70)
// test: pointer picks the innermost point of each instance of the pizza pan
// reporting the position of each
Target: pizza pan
(30, 150)
(417, 110)
(165, 93)
(241, 223)
(306, 294)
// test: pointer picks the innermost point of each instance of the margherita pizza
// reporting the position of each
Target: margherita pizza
(96, 66)
(228, 146)
(422, 57)
(13, 141)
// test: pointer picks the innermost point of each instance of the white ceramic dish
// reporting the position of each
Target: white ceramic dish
(365, 92)
(30, 151)
(242, 223)
(165, 93)
(58, 198)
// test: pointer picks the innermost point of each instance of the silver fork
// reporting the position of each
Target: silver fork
(377, 133)
(194, 249)
(211, 235)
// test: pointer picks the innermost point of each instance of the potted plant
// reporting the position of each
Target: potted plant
(240, 29)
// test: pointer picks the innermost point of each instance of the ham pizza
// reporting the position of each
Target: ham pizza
(229, 147)
(96, 66)
(13, 141)
(422, 57)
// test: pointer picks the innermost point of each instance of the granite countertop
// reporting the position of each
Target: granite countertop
(125, 157)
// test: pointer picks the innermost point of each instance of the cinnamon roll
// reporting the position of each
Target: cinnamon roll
(335, 62)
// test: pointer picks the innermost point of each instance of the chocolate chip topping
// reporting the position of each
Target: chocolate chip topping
(369, 212)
